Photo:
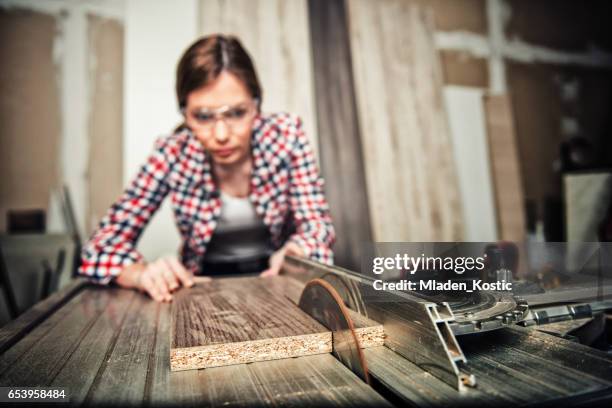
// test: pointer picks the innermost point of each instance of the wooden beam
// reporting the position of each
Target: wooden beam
(18, 328)
(342, 163)
(410, 170)
(505, 166)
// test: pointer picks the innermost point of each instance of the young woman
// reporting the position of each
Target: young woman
(244, 185)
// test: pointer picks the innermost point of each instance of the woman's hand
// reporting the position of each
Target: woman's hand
(277, 258)
(158, 279)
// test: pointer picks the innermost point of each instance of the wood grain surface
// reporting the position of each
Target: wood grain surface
(369, 333)
(111, 346)
(471, 150)
(412, 185)
(342, 162)
(506, 168)
(18, 328)
(234, 321)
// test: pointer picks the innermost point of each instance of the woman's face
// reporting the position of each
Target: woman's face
(221, 116)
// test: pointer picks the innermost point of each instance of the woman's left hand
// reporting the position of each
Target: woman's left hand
(277, 258)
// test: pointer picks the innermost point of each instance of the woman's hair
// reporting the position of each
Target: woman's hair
(204, 61)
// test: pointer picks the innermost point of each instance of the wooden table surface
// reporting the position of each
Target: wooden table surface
(112, 346)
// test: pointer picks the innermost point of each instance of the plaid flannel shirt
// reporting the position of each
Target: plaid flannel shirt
(286, 191)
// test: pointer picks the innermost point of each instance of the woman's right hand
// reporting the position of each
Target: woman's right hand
(158, 279)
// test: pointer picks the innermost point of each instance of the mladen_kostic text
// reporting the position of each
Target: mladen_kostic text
(432, 284)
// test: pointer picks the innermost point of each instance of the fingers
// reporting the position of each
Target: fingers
(169, 275)
(276, 261)
(268, 272)
(184, 276)
(294, 249)
(155, 283)
(149, 285)
(164, 276)
(202, 279)
(170, 279)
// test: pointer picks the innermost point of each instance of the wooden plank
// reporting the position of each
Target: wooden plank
(462, 68)
(122, 377)
(314, 381)
(93, 349)
(37, 358)
(158, 390)
(30, 72)
(105, 121)
(286, 286)
(412, 384)
(411, 180)
(338, 129)
(587, 199)
(471, 152)
(234, 321)
(18, 328)
(317, 380)
(505, 166)
(563, 352)
(275, 33)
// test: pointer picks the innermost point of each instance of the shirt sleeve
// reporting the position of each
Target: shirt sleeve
(112, 246)
(314, 230)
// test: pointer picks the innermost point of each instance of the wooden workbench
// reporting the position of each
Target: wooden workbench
(111, 346)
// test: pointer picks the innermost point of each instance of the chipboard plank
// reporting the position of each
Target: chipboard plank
(233, 321)
(410, 170)
(317, 380)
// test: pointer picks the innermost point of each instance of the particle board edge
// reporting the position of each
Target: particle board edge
(223, 354)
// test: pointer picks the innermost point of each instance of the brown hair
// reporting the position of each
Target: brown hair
(205, 59)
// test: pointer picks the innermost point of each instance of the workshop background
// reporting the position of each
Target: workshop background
(439, 120)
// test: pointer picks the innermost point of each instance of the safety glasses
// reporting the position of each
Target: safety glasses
(235, 116)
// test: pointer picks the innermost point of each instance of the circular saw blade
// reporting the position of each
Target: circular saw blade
(321, 301)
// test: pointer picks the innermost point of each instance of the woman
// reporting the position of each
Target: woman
(244, 186)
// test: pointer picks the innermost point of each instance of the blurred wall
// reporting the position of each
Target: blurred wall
(157, 33)
(553, 60)
(97, 78)
(105, 125)
(61, 107)
(30, 116)
(275, 33)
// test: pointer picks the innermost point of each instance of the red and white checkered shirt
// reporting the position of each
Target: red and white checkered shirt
(286, 191)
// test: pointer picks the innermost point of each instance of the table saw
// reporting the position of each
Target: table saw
(112, 346)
